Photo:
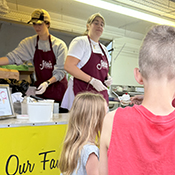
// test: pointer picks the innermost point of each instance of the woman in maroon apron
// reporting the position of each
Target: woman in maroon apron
(47, 53)
(43, 73)
(93, 75)
(44, 61)
(94, 68)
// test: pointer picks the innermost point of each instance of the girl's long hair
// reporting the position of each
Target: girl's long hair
(85, 123)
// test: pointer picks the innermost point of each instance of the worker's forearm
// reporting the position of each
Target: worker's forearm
(4, 61)
(52, 80)
(79, 74)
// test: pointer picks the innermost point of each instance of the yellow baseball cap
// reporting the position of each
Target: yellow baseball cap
(39, 16)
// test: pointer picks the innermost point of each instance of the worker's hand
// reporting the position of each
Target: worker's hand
(108, 82)
(137, 99)
(97, 84)
(42, 88)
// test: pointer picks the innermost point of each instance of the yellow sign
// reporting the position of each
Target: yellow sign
(31, 149)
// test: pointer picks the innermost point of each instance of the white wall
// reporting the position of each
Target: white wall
(124, 60)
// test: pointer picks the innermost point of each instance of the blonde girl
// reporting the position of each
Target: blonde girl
(80, 152)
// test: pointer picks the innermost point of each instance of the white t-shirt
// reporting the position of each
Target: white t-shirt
(80, 48)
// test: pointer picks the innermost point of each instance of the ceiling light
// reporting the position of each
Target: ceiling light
(127, 11)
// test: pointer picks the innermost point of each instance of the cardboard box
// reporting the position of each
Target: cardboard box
(9, 73)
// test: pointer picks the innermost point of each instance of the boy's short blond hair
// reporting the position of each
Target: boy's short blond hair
(157, 53)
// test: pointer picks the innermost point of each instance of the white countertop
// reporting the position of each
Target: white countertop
(58, 119)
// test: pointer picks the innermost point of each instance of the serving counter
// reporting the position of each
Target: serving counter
(31, 148)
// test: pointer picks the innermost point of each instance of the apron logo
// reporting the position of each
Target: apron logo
(45, 65)
(102, 65)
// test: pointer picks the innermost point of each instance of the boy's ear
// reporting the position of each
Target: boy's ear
(138, 76)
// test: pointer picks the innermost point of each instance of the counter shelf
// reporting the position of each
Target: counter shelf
(58, 119)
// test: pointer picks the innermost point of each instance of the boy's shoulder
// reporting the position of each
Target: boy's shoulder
(127, 111)
(110, 115)
(122, 113)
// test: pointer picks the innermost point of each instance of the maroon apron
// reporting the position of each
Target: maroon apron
(44, 64)
(97, 67)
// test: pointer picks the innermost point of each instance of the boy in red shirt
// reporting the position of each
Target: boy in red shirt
(140, 139)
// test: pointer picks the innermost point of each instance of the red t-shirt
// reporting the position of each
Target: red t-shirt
(142, 143)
